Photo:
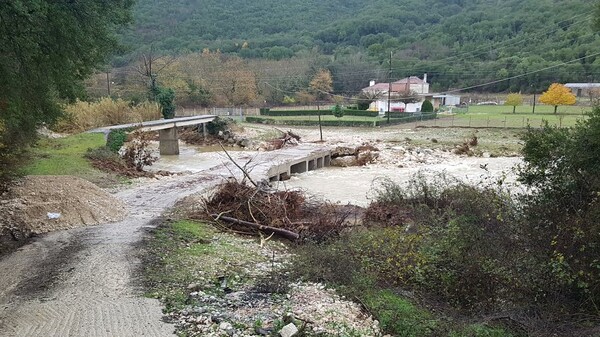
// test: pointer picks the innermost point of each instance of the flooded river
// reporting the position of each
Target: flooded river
(352, 184)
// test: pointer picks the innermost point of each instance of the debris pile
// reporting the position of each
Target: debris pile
(466, 147)
(287, 138)
(287, 214)
(360, 156)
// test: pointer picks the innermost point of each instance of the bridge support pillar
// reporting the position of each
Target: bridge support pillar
(168, 141)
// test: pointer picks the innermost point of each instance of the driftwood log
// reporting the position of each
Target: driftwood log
(267, 229)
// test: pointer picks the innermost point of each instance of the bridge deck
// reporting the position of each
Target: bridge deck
(160, 124)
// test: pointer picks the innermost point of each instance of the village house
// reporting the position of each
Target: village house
(412, 85)
(584, 89)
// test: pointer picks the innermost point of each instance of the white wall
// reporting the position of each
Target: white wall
(381, 106)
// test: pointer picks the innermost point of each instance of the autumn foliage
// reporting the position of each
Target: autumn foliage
(514, 99)
(557, 94)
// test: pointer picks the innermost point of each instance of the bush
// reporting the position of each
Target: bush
(136, 154)
(427, 106)
(218, 124)
(116, 139)
(103, 153)
(166, 99)
(338, 111)
(561, 165)
(252, 119)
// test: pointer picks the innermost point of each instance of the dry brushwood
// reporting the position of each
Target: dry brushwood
(288, 211)
(243, 169)
(266, 229)
(286, 138)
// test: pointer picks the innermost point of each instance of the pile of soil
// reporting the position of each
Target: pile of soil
(41, 204)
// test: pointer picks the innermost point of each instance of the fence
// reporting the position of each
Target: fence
(501, 122)
(232, 112)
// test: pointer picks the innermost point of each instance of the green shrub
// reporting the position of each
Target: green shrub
(218, 124)
(116, 139)
(252, 119)
(338, 111)
(166, 98)
(561, 165)
(448, 238)
(103, 153)
(426, 106)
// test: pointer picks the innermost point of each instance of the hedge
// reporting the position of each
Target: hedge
(383, 122)
(347, 112)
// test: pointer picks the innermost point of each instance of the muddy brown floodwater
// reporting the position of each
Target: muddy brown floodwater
(354, 184)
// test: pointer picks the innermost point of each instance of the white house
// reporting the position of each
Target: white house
(402, 87)
(398, 88)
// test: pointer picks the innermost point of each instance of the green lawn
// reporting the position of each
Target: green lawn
(524, 109)
(502, 116)
(65, 156)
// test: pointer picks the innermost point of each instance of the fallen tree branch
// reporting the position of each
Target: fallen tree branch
(238, 166)
(268, 229)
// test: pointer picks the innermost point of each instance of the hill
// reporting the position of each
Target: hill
(460, 43)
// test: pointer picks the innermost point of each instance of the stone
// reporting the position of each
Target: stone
(193, 286)
(244, 142)
(344, 161)
(225, 326)
(342, 151)
(289, 330)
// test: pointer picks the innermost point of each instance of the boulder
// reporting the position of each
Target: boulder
(289, 330)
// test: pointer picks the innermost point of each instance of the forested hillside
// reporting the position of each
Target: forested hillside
(459, 43)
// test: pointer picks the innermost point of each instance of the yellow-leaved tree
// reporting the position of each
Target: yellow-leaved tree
(514, 99)
(557, 94)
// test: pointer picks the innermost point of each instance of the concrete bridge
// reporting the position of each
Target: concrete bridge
(167, 129)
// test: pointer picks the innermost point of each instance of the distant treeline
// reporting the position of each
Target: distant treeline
(459, 43)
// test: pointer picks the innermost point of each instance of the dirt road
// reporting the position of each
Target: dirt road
(81, 282)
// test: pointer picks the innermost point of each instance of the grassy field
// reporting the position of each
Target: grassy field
(65, 156)
(478, 116)
(502, 116)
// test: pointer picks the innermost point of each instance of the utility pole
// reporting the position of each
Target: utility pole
(389, 89)
(533, 103)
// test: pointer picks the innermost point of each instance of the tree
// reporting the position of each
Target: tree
(320, 86)
(365, 98)
(407, 97)
(426, 106)
(46, 49)
(338, 111)
(165, 98)
(514, 99)
(557, 94)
